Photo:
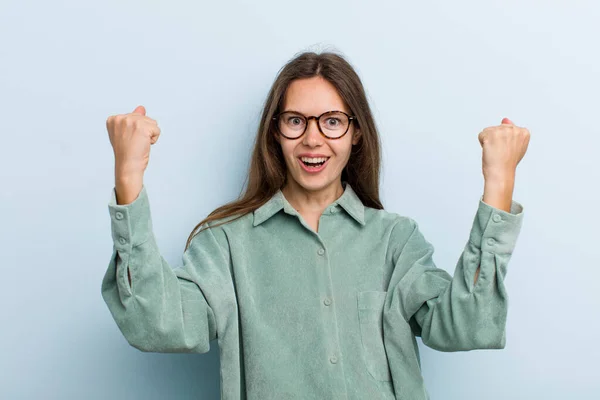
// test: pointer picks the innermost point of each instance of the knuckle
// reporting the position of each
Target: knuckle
(128, 121)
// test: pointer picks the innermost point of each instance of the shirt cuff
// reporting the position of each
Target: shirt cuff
(495, 230)
(131, 224)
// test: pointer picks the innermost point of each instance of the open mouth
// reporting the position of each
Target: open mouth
(313, 164)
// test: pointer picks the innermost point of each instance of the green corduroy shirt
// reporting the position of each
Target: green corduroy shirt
(300, 314)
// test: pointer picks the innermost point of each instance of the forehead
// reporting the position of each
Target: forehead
(312, 96)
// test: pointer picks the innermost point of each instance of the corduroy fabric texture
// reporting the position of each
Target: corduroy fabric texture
(299, 314)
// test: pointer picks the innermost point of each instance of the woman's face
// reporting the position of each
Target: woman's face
(314, 96)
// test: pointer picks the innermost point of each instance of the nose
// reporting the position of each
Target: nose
(312, 136)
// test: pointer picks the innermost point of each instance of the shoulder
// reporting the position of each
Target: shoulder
(388, 220)
(218, 231)
(395, 228)
(224, 227)
(401, 232)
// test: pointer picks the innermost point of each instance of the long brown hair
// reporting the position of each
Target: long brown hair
(267, 173)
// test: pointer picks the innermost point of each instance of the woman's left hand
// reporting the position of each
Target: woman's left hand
(503, 148)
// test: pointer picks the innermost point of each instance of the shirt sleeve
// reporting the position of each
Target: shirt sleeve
(164, 309)
(455, 313)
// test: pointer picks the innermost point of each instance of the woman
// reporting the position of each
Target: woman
(311, 288)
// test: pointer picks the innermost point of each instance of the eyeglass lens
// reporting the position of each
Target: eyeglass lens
(333, 124)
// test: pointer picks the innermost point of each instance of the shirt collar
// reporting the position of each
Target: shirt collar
(349, 201)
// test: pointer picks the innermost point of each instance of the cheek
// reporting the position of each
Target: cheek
(342, 151)
(288, 151)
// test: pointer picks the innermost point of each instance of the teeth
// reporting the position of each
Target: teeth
(314, 160)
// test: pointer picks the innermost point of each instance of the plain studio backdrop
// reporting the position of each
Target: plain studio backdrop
(436, 74)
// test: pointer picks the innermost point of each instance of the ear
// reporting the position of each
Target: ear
(356, 137)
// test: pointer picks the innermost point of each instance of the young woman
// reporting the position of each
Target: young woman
(311, 288)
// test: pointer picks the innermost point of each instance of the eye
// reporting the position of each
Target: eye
(333, 122)
(292, 120)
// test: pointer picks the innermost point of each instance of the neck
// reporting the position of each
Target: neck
(312, 201)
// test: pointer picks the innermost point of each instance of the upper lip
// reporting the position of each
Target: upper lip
(312, 155)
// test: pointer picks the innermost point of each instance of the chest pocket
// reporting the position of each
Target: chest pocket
(370, 314)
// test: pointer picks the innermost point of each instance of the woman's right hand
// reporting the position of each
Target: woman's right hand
(131, 136)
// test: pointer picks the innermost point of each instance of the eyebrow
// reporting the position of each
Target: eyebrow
(298, 112)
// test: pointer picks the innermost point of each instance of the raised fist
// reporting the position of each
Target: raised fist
(131, 136)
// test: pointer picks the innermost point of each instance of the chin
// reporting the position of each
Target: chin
(316, 183)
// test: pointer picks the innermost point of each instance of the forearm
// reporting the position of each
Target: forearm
(160, 308)
(498, 193)
(128, 185)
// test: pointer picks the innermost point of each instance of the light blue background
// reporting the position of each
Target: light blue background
(436, 74)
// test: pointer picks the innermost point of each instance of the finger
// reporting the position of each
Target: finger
(507, 121)
(140, 110)
(149, 120)
(154, 136)
(154, 132)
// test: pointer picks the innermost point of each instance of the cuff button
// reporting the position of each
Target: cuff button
(119, 215)
(497, 218)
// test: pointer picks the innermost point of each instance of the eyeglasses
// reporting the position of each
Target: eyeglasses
(331, 124)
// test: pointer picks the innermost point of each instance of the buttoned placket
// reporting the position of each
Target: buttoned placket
(119, 216)
(125, 248)
(323, 267)
(496, 218)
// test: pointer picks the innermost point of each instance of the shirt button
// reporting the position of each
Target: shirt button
(122, 240)
(491, 241)
(327, 301)
(321, 252)
(497, 218)
(119, 215)
(333, 359)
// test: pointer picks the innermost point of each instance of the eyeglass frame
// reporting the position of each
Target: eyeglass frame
(316, 118)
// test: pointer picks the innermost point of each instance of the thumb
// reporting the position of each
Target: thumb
(140, 110)
(507, 121)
